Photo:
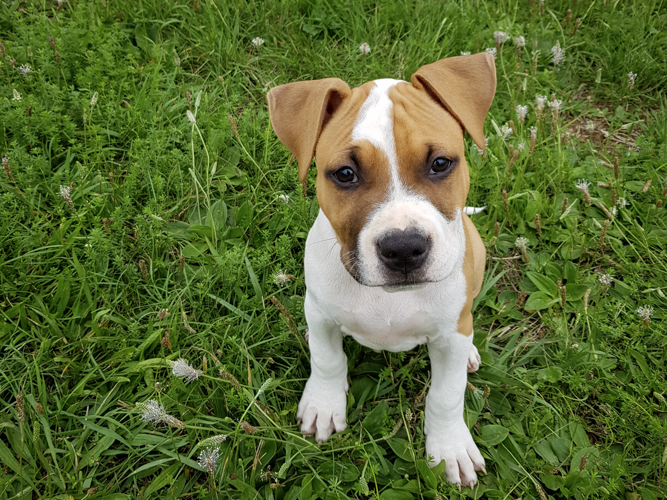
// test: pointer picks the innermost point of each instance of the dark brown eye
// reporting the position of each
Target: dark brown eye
(345, 175)
(440, 165)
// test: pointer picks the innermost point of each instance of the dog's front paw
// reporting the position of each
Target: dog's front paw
(474, 359)
(455, 446)
(322, 409)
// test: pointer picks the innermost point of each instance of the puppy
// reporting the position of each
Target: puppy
(392, 259)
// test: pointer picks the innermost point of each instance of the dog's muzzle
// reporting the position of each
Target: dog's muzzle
(403, 251)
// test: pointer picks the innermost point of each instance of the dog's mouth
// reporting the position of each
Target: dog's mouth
(392, 280)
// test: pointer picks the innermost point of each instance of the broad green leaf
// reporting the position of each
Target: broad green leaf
(575, 292)
(494, 434)
(543, 449)
(538, 300)
(426, 474)
(545, 284)
(402, 448)
(376, 419)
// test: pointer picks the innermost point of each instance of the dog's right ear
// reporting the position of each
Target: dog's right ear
(299, 111)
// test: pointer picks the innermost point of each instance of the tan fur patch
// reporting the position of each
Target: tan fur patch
(423, 131)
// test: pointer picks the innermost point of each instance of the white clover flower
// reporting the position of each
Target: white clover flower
(541, 100)
(521, 243)
(520, 41)
(582, 185)
(25, 69)
(521, 112)
(533, 133)
(190, 116)
(465, 53)
(365, 49)
(152, 412)
(284, 198)
(280, 278)
(556, 104)
(257, 41)
(558, 54)
(208, 459)
(17, 96)
(631, 79)
(622, 202)
(505, 131)
(500, 37)
(93, 100)
(181, 368)
(606, 279)
(645, 312)
(492, 51)
(590, 126)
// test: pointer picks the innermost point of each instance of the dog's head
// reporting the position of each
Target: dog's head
(391, 171)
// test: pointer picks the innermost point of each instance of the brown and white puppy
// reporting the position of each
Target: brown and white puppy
(392, 259)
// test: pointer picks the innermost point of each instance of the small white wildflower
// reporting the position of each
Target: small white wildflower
(17, 96)
(631, 79)
(465, 53)
(284, 198)
(492, 51)
(257, 41)
(521, 146)
(582, 185)
(622, 202)
(521, 243)
(190, 116)
(480, 151)
(505, 131)
(533, 133)
(66, 192)
(280, 278)
(541, 100)
(645, 313)
(365, 49)
(208, 459)
(264, 386)
(25, 69)
(520, 41)
(486, 143)
(213, 441)
(152, 412)
(558, 54)
(614, 211)
(181, 368)
(521, 112)
(555, 104)
(500, 37)
(198, 99)
(575, 345)
(590, 126)
(606, 279)
(93, 100)
(604, 132)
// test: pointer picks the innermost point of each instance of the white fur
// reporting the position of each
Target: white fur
(391, 319)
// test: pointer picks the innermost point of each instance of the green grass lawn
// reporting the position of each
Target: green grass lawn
(131, 237)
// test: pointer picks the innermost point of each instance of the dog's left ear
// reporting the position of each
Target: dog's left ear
(465, 86)
(300, 110)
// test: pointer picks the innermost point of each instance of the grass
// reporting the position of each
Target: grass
(173, 232)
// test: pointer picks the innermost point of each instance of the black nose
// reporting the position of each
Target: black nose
(403, 251)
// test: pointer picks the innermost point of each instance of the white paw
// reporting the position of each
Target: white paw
(456, 447)
(473, 360)
(322, 409)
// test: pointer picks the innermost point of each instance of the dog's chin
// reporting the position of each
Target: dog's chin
(394, 282)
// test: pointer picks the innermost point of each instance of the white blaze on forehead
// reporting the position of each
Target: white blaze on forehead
(375, 125)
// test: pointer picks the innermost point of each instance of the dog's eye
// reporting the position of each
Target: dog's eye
(440, 165)
(345, 175)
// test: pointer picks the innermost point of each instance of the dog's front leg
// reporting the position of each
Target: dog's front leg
(447, 436)
(324, 401)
